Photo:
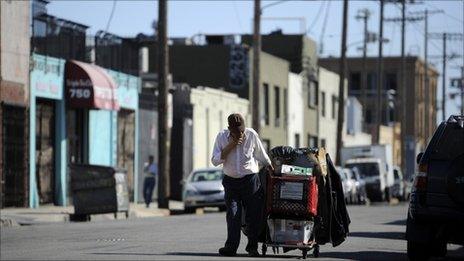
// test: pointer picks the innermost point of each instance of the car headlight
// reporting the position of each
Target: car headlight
(191, 192)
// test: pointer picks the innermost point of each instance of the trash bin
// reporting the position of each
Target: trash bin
(122, 191)
(98, 190)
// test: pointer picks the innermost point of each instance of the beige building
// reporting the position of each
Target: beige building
(328, 110)
(210, 110)
(421, 113)
(14, 99)
(273, 100)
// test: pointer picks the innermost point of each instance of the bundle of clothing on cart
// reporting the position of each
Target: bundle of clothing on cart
(303, 204)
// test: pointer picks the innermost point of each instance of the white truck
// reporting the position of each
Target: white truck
(375, 165)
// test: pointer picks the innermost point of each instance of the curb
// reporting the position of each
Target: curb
(8, 223)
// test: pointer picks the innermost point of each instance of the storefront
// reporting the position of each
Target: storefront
(102, 118)
(127, 124)
(92, 107)
(47, 139)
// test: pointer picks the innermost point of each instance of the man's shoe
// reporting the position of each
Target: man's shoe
(253, 253)
(225, 251)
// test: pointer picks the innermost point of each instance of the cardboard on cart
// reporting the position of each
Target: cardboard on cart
(292, 232)
(296, 170)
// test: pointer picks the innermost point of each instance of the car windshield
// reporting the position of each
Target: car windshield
(365, 169)
(341, 173)
(209, 175)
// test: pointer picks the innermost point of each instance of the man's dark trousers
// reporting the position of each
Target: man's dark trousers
(148, 186)
(242, 192)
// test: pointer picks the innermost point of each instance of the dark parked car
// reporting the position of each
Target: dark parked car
(436, 207)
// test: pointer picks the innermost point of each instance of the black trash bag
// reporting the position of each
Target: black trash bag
(285, 153)
(333, 215)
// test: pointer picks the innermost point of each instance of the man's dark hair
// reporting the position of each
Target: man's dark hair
(236, 121)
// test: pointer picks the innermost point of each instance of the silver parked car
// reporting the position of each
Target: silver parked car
(203, 188)
(349, 186)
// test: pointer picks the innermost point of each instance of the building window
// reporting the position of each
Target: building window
(355, 83)
(390, 81)
(297, 140)
(312, 94)
(323, 143)
(368, 116)
(277, 106)
(285, 107)
(323, 104)
(266, 104)
(334, 107)
(371, 84)
(312, 141)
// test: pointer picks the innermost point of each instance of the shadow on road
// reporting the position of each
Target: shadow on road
(399, 222)
(199, 254)
(127, 254)
(365, 255)
(385, 235)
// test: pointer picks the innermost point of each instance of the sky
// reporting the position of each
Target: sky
(187, 18)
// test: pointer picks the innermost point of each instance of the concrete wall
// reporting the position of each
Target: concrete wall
(211, 107)
(354, 115)
(295, 110)
(328, 84)
(14, 51)
(14, 82)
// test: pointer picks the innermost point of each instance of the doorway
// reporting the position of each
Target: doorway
(13, 178)
(45, 150)
(126, 146)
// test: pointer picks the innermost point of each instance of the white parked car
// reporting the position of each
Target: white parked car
(203, 188)
(349, 184)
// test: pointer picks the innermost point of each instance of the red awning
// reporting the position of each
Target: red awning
(89, 86)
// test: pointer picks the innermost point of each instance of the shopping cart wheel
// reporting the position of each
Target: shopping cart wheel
(305, 253)
(316, 251)
(263, 249)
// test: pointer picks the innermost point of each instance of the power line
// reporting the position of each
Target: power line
(237, 16)
(324, 25)
(111, 16)
(316, 19)
(450, 16)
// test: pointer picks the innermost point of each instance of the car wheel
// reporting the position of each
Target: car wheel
(189, 210)
(438, 249)
(417, 251)
(387, 194)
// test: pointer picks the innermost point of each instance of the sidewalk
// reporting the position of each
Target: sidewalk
(52, 214)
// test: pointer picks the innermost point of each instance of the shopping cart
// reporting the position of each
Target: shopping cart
(291, 202)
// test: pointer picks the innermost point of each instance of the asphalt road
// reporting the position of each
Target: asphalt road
(376, 233)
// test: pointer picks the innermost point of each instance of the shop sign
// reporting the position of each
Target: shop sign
(127, 89)
(47, 77)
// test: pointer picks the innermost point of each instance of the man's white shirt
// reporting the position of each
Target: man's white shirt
(245, 158)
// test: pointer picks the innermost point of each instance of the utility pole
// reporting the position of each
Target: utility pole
(163, 70)
(364, 15)
(462, 90)
(403, 88)
(378, 118)
(443, 91)
(341, 90)
(256, 70)
(445, 37)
